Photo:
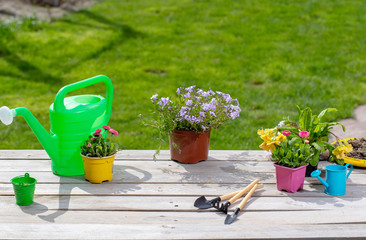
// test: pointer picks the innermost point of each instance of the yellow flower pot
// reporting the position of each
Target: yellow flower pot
(98, 170)
(354, 161)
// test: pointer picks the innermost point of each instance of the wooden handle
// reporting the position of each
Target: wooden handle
(239, 194)
(229, 195)
(246, 198)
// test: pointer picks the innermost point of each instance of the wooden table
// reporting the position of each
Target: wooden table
(154, 200)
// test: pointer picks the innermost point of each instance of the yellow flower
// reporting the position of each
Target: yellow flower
(260, 132)
(281, 137)
(340, 151)
(349, 148)
(268, 146)
(270, 138)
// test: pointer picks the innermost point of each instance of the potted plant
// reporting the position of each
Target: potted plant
(98, 153)
(188, 119)
(291, 153)
(319, 132)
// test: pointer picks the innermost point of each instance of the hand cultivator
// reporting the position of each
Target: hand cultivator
(203, 203)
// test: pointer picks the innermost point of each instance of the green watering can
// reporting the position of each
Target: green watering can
(73, 119)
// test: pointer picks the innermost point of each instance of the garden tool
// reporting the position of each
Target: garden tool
(336, 177)
(224, 206)
(230, 218)
(203, 203)
(73, 119)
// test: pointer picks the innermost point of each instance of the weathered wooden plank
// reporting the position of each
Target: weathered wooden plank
(129, 174)
(154, 200)
(208, 190)
(234, 155)
(179, 231)
(182, 203)
(40, 216)
(232, 169)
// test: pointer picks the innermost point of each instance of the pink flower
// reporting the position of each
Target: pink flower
(97, 132)
(114, 132)
(89, 145)
(304, 134)
(306, 141)
(286, 132)
(106, 127)
(93, 139)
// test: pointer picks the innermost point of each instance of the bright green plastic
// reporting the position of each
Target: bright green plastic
(73, 119)
(24, 187)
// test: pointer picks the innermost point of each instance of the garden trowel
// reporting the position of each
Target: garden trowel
(230, 218)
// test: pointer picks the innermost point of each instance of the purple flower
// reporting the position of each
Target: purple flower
(163, 102)
(190, 89)
(187, 117)
(212, 113)
(183, 111)
(210, 92)
(154, 97)
(212, 106)
(178, 91)
(234, 115)
(202, 93)
(189, 102)
(197, 98)
(202, 114)
(227, 98)
(235, 111)
(205, 107)
(187, 95)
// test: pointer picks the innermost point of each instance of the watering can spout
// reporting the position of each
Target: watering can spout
(316, 174)
(48, 142)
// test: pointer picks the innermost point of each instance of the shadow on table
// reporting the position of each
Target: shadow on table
(121, 174)
(314, 195)
(34, 209)
(234, 175)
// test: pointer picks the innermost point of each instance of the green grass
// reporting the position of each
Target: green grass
(271, 55)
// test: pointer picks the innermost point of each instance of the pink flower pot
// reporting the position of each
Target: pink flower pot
(290, 179)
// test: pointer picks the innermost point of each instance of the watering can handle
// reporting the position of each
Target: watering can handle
(350, 170)
(59, 99)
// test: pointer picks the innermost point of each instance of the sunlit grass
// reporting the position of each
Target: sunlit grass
(271, 55)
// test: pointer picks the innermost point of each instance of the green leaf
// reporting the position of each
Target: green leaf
(315, 159)
(293, 141)
(320, 116)
(305, 119)
(318, 146)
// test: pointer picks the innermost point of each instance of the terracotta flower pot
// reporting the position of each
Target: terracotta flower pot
(189, 146)
(290, 179)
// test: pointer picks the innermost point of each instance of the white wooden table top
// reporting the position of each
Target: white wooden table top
(154, 200)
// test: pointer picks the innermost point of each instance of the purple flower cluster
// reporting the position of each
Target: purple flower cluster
(196, 109)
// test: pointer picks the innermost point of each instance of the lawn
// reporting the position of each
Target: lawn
(271, 55)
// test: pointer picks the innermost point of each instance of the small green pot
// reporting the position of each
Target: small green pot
(24, 187)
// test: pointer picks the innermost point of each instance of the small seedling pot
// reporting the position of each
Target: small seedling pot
(98, 170)
(24, 187)
(290, 179)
